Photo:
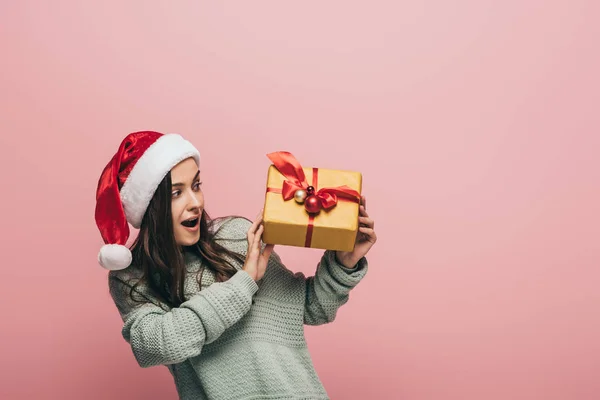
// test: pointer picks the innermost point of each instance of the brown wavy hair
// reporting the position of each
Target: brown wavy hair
(161, 259)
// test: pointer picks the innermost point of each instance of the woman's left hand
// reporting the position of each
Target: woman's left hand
(365, 238)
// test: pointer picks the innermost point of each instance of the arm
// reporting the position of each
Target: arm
(325, 292)
(330, 287)
(338, 272)
(160, 337)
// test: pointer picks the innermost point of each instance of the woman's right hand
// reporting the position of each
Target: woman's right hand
(256, 261)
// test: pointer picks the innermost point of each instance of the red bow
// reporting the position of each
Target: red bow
(289, 167)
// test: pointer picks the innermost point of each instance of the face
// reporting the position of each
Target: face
(187, 202)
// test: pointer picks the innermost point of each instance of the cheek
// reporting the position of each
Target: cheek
(176, 210)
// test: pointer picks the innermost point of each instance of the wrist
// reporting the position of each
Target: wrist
(252, 274)
(344, 261)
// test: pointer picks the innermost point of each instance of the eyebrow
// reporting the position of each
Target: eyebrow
(182, 184)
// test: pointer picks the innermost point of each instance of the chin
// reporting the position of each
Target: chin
(188, 241)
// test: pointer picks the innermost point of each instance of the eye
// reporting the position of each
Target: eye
(197, 185)
(175, 193)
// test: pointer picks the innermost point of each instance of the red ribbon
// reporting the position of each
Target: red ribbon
(295, 180)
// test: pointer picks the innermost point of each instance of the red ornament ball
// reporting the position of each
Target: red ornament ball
(312, 204)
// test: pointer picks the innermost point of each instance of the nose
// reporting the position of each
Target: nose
(194, 201)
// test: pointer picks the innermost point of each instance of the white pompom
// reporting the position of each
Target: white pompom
(114, 257)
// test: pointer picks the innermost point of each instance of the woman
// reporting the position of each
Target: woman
(205, 297)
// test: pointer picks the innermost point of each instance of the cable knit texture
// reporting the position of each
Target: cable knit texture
(237, 339)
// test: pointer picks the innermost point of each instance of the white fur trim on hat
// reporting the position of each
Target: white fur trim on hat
(149, 171)
(114, 257)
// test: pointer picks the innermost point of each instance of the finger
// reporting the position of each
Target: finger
(267, 251)
(370, 232)
(258, 233)
(256, 222)
(252, 230)
(362, 211)
(363, 201)
(258, 237)
(265, 256)
(250, 239)
(366, 221)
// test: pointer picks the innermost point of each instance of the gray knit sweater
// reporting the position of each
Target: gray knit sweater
(237, 339)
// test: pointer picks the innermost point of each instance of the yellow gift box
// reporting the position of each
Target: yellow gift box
(310, 207)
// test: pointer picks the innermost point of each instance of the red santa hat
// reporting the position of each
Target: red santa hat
(127, 185)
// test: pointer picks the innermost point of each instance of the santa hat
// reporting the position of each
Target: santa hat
(127, 185)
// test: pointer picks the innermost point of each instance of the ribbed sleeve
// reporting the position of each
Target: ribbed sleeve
(159, 337)
(329, 288)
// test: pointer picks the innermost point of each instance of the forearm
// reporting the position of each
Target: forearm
(159, 337)
(329, 288)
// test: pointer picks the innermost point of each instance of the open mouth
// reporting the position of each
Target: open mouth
(190, 223)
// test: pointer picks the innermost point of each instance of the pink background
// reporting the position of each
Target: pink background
(475, 124)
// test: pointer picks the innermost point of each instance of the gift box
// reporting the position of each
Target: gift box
(310, 207)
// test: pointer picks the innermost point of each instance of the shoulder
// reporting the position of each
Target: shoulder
(231, 227)
(122, 281)
(232, 233)
(128, 276)
(129, 290)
